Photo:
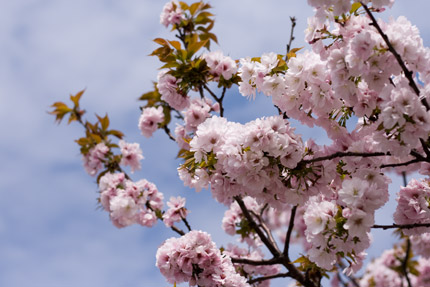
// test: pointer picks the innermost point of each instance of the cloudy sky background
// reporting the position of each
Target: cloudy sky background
(51, 232)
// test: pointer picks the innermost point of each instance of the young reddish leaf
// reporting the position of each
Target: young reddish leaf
(194, 47)
(147, 96)
(104, 122)
(175, 44)
(184, 6)
(116, 133)
(160, 41)
(75, 99)
(292, 53)
(96, 138)
(194, 7)
(169, 65)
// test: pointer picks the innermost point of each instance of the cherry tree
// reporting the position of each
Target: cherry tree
(279, 190)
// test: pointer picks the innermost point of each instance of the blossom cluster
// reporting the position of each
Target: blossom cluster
(252, 159)
(355, 74)
(167, 85)
(172, 14)
(387, 270)
(194, 258)
(176, 211)
(93, 160)
(413, 206)
(331, 8)
(381, 272)
(150, 119)
(342, 226)
(129, 202)
(220, 65)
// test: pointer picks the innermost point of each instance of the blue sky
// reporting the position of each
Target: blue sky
(51, 232)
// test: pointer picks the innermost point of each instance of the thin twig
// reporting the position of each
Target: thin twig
(408, 74)
(186, 223)
(289, 231)
(167, 131)
(260, 279)
(405, 180)
(401, 226)
(400, 164)
(256, 228)
(293, 25)
(177, 230)
(346, 154)
(266, 230)
(425, 148)
(405, 262)
(272, 261)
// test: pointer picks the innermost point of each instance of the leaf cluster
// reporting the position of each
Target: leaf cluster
(95, 133)
(61, 109)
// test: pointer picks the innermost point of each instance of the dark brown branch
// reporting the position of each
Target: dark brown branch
(290, 266)
(266, 230)
(425, 148)
(293, 25)
(405, 262)
(401, 226)
(272, 261)
(218, 100)
(186, 223)
(177, 230)
(400, 164)
(210, 92)
(289, 232)
(256, 228)
(167, 131)
(417, 155)
(408, 73)
(260, 279)
(221, 106)
(345, 154)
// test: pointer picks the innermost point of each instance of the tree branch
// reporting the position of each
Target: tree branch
(265, 229)
(218, 100)
(405, 262)
(275, 252)
(345, 154)
(186, 223)
(408, 74)
(401, 226)
(289, 231)
(293, 25)
(167, 131)
(260, 279)
(400, 164)
(272, 261)
(177, 230)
